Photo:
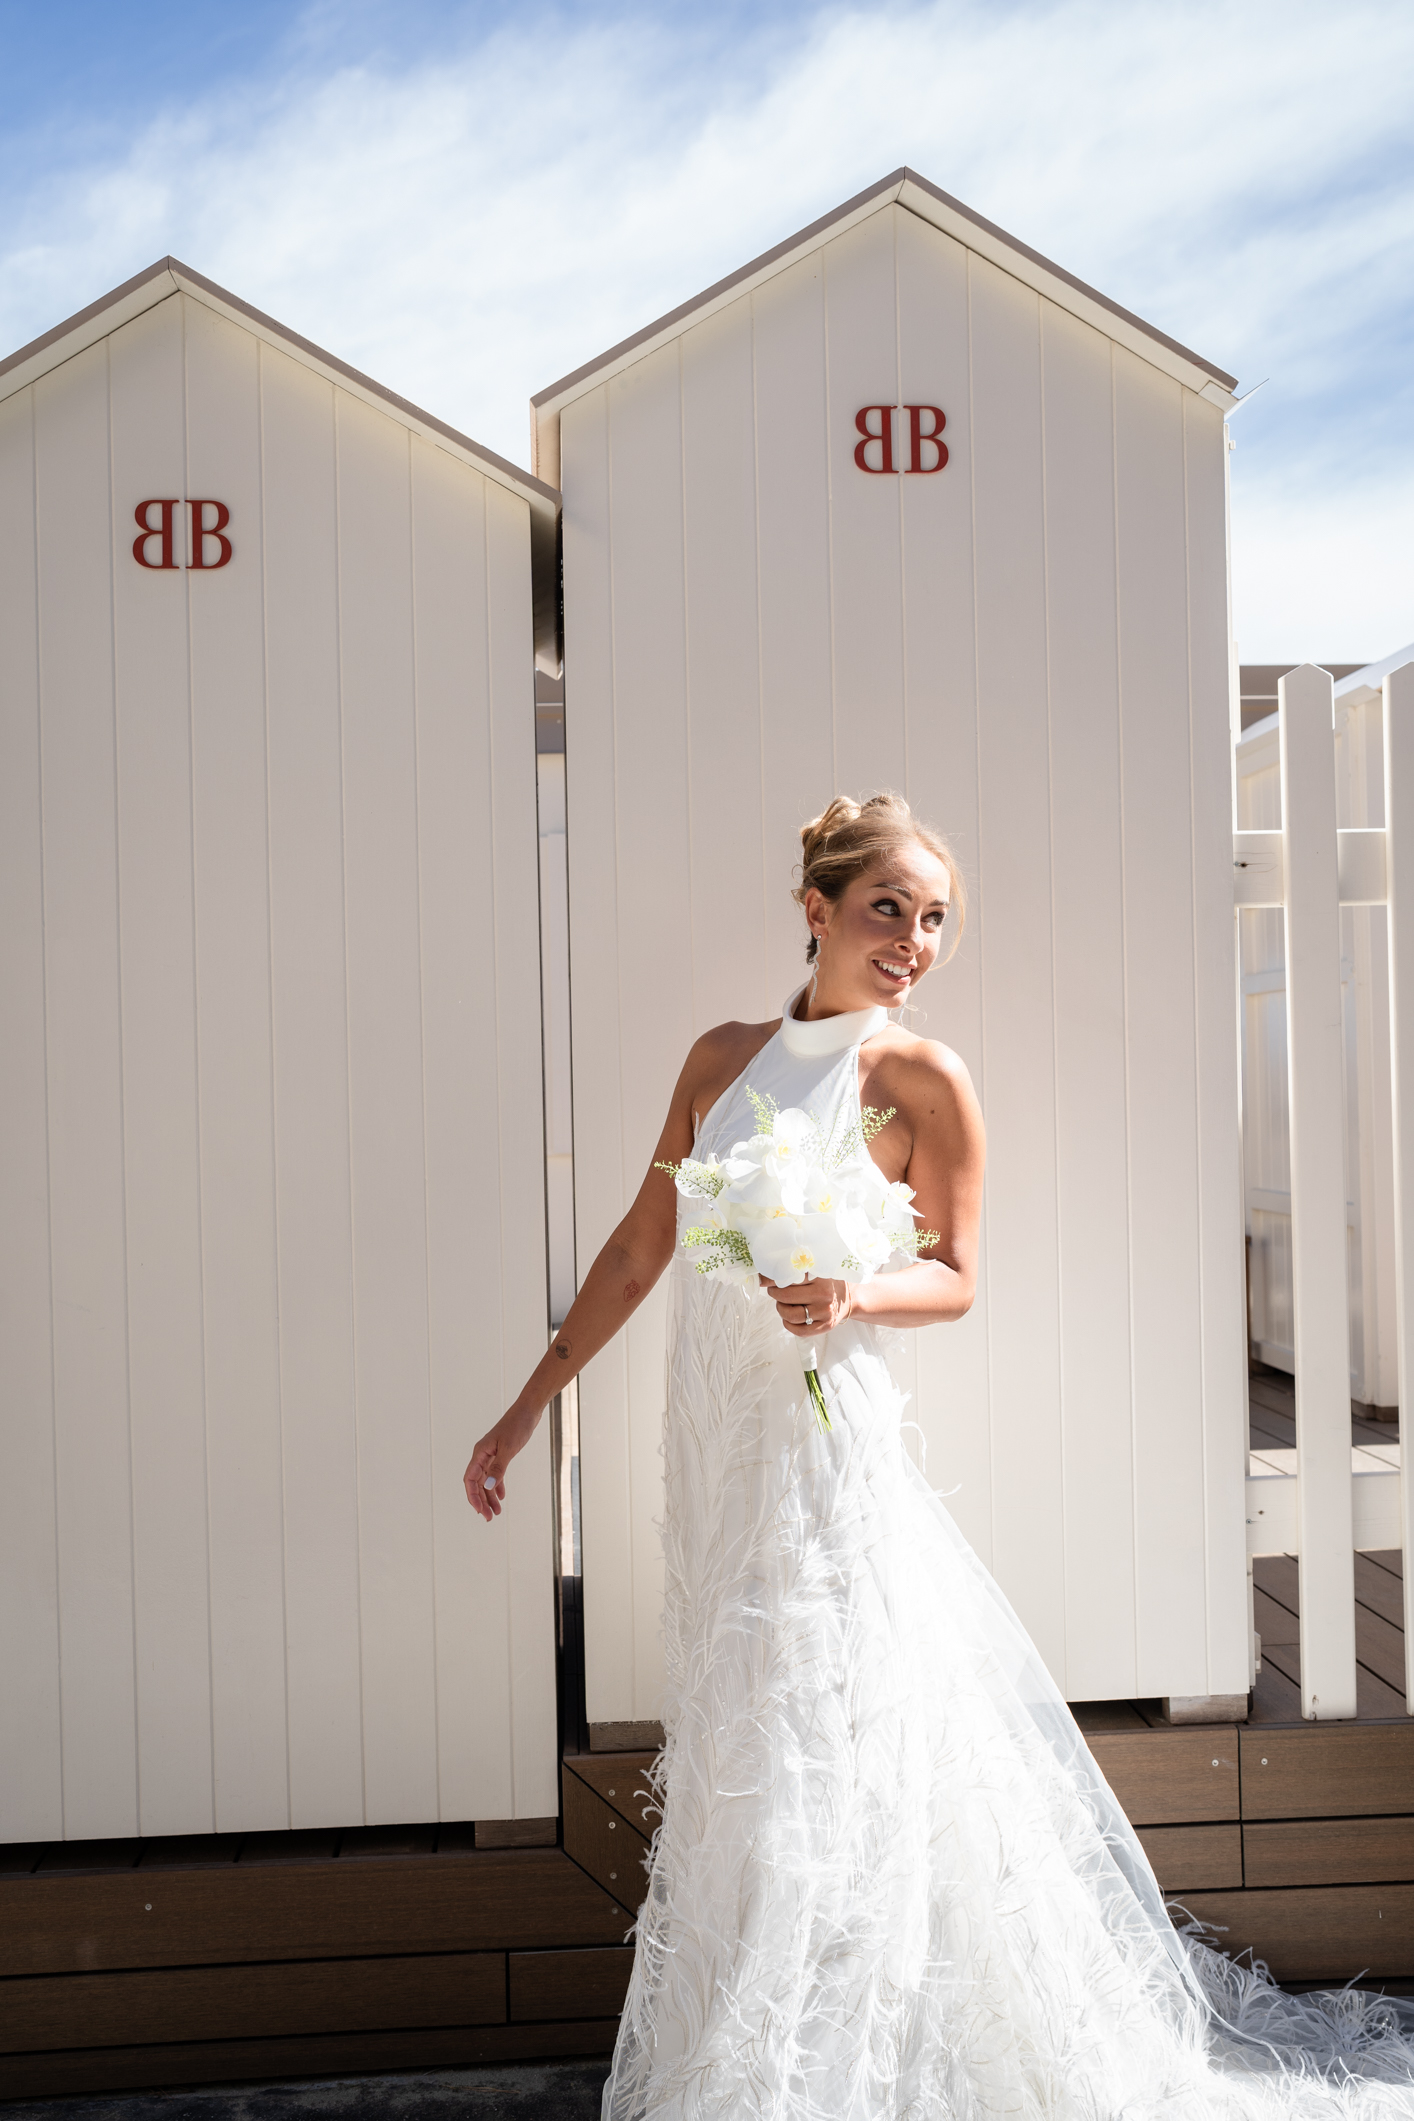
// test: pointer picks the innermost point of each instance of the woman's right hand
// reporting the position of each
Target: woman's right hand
(485, 1477)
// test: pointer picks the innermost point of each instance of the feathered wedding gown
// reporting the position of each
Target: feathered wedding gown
(890, 1882)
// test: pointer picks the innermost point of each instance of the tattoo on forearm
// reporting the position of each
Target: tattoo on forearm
(562, 1349)
(631, 1289)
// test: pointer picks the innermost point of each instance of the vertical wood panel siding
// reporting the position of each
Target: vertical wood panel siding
(1033, 645)
(271, 1202)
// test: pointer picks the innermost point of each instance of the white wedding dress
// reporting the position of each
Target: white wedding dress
(890, 1882)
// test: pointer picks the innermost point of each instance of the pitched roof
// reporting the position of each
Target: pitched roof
(169, 276)
(905, 188)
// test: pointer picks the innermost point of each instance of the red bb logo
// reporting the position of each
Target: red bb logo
(921, 439)
(163, 534)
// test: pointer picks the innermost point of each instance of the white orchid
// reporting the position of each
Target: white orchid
(796, 1204)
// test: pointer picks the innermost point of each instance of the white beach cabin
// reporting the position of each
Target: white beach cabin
(271, 1205)
(903, 504)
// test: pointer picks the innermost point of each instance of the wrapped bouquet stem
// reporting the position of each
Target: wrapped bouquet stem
(796, 1203)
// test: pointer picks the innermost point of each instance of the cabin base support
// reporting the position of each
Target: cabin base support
(1205, 1708)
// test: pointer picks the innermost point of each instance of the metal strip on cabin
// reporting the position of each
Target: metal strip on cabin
(1399, 827)
(1318, 1240)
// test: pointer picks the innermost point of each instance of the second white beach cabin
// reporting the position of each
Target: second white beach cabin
(903, 504)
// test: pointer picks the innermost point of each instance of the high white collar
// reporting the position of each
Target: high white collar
(827, 1034)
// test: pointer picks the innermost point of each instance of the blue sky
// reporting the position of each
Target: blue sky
(469, 200)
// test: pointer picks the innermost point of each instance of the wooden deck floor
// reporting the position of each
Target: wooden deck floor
(1379, 1639)
(1271, 1399)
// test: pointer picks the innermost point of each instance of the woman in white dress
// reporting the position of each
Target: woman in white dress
(889, 1883)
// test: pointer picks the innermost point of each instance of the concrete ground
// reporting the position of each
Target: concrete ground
(517, 2091)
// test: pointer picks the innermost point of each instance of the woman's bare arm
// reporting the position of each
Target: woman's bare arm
(625, 1270)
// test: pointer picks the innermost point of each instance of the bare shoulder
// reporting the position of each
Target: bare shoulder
(719, 1055)
(922, 1076)
(724, 1040)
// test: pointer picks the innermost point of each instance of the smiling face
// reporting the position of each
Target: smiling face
(882, 933)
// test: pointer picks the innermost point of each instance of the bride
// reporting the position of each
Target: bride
(890, 1882)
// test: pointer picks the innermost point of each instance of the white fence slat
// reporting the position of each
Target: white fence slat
(1088, 864)
(940, 691)
(30, 1806)
(1018, 1082)
(1399, 826)
(311, 1095)
(387, 1123)
(160, 1109)
(1161, 1030)
(97, 1658)
(231, 839)
(1318, 1221)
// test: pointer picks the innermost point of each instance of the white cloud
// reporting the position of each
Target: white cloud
(472, 225)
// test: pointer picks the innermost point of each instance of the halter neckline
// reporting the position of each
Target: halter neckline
(828, 1034)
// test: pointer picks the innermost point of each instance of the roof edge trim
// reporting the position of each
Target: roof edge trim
(121, 299)
(1204, 377)
(74, 335)
(875, 193)
(933, 192)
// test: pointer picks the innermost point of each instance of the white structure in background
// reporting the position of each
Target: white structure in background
(271, 1078)
(776, 587)
(1359, 766)
(1324, 1500)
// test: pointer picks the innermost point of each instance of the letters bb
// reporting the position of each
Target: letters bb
(162, 534)
(920, 438)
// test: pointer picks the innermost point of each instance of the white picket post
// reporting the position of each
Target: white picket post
(1399, 871)
(1318, 1226)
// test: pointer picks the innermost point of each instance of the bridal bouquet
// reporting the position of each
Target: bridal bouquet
(795, 1202)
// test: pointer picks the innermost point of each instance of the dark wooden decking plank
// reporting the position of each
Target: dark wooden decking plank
(1375, 1700)
(562, 1985)
(1186, 1858)
(1328, 1771)
(75, 2072)
(1175, 1776)
(493, 1900)
(1278, 1576)
(1317, 1933)
(621, 1780)
(603, 1842)
(1379, 1645)
(1274, 1698)
(1275, 1623)
(251, 2002)
(1380, 1590)
(1329, 1851)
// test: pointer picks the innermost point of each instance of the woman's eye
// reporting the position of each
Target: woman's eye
(888, 906)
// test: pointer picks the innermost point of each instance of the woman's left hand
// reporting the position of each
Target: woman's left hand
(809, 1307)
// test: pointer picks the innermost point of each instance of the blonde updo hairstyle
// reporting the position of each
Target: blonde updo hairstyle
(849, 838)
